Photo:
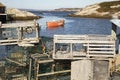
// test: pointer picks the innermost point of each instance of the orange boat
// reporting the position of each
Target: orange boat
(54, 24)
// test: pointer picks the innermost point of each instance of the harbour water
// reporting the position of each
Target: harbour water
(73, 25)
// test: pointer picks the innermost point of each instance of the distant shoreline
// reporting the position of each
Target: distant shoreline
(90, 16)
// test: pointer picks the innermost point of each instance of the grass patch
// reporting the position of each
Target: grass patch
(106, 6)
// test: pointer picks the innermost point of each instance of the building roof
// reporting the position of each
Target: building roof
(116, 22)
(1, 5)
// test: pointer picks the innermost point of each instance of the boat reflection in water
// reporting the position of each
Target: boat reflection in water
(55, 24)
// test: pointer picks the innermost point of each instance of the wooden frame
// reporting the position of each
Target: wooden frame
(35, 58)
(96, 46)
(20, 28)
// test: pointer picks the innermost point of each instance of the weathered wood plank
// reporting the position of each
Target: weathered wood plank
(102, 48)
(16, 62)
(45, 61)
(52, 73)
(102, 45)
(20, 24)
(103, 52)
(16, 41)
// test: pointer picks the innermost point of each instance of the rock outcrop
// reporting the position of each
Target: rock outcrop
(17, 14)
(100, 10)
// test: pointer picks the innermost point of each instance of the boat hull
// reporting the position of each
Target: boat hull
(55, 24)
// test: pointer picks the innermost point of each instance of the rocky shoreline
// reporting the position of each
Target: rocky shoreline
(100, 10)
(17, 14)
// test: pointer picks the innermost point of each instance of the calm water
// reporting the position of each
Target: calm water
(73, 25)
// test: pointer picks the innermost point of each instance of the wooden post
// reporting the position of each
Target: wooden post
(20, 33)
(54, 53)
(71, 51)
(0, 23)
(35, 70)
(30, 64)
(37, 29)
(87, 47)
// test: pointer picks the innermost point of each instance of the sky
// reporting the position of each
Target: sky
(48, 4)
